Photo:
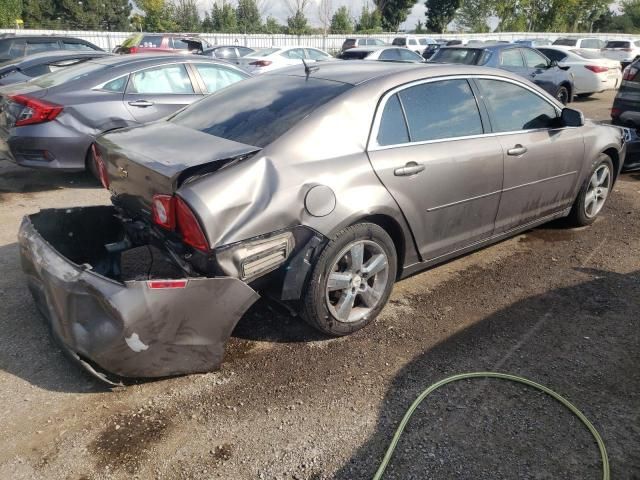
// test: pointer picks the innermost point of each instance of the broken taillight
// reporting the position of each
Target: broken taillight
(173, 213)
(163, 211)
(597, 68)
(34, 110)
(159, 284)
(101, 168)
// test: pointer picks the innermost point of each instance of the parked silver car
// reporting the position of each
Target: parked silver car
(319, 187)
(51, 121)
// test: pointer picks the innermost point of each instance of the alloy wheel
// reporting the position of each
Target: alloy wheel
(357, 281)
(598, 190)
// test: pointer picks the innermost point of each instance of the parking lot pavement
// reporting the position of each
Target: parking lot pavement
(556, 305)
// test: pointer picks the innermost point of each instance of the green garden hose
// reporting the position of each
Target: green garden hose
(504, 376)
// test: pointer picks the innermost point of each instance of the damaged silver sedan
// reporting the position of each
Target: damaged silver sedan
(319, 187)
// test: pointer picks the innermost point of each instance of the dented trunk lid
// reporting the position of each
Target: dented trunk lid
(159, 157)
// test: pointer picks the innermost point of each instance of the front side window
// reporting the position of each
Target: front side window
(409, 55)
(514, 108)
(216, 77)
(511, 58)
(533, 59)
(226, 52)
(79, 47)
(393, 128)
(316, 54)
(412, 42)
(161, 80)
(444, 109)
(294, 54)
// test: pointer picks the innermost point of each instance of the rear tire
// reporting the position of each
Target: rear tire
(562, 95)
(593, 194)
(351, 280)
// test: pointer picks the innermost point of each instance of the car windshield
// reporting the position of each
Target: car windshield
(74, 72)
(265, 52)
(466, 56)
(567, 42)
(259, 110)
(617, 44)
(586, 54)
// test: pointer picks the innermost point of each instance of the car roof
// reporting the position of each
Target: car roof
(368, 71)
(54, 55)
(372, 48)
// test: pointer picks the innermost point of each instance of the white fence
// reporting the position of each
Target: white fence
(109, 40)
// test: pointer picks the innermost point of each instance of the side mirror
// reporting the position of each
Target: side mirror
(572, 118)
(553, 63)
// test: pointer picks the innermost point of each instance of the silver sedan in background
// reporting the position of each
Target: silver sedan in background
(320, 187)
(51, 121)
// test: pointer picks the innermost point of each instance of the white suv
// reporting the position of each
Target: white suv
(583, 43)
(625, 51)
(417, 44)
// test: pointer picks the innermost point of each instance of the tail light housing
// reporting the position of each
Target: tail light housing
(172, 213)
(629, 73)
(35, 110)
(597, 68)
(133, 49)
(101, 167)
(261, 63)
(615, 112)
(163, 284)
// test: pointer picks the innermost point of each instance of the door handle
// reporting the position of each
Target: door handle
(411, 168)
(517, 151)
(141, 103)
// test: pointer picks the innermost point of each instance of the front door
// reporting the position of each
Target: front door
(430, 151)
(158, 91)
(542, 160)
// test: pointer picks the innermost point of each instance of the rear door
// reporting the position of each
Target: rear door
(542, 160)
(539, 71)
(156, 92)
(429, 149)
(511, 59)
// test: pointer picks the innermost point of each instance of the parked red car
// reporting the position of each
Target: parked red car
(154, 43)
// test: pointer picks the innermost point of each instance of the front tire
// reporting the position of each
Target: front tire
(594, 193)
(563, 95)
(351, 281)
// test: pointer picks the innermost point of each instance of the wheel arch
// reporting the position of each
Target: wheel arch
(613, 154)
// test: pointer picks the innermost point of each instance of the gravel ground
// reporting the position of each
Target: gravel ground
(558, 306)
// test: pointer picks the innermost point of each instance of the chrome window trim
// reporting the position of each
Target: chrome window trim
(372, 144)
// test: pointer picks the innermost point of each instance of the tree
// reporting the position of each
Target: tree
(393, 12)
(440, 13)
(248, 16)
(369, 21)
(185, 15)
(325, 15)
(341, 22)
(297, 23)
(273, 26)
(419, 27)
(473, 15)
(158, 15)
(631, 10)
(224, 18)
(38, 13)
(10, 11)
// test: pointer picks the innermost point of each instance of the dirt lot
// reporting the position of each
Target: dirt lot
(559, 306)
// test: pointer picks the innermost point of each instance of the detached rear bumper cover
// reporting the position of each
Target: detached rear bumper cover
(127, 328)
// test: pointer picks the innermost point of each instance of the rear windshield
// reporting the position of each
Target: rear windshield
(569, 42)
(399, 42)
(349, 42)
(238, 113)
(618, 44)
(351, 55)
(70, 74)
(466, 56)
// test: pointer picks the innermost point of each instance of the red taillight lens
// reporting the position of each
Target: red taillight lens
(163, 211)
(101, 168)
(189, 226)
(629, 73)
(261, 63)
(133, 49)
(596, 68)
(159, 284)
(35, 110)
(615, 112)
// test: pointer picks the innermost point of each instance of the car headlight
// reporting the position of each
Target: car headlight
(252, 258)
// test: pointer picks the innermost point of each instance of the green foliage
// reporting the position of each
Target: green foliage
(341, 21)
(370, 21)
(394, 12)
(10, 11)
(223, 18)
(158, 16)
(473, 15)
(297, 24)
(440, 13)
(612, 23)
(248, 17)
(273, 26)
(419, 27)
(185, 15)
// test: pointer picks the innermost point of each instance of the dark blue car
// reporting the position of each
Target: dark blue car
(518, 59)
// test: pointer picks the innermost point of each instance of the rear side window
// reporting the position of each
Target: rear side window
(216, 77)
(77, 46)
(465, 56)
(165, 79)
(390, 54)
(393, 128)
(556, 55)
(511, 58)
(237, 113)
(591, 43)
(37, 47)
(515, 108)
(567, 42)
(445, 109)
(244, 51)
(116, 85)
(151, 41)
(400, 42)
